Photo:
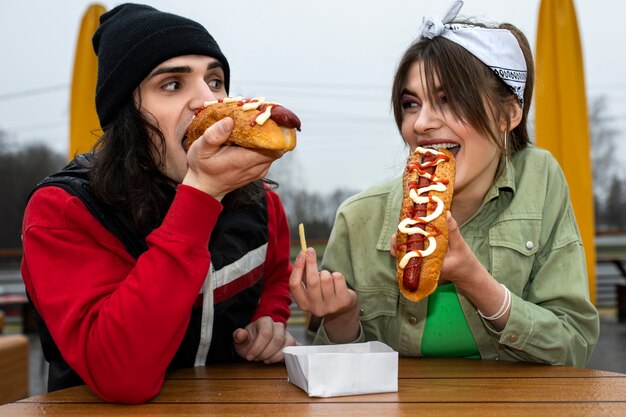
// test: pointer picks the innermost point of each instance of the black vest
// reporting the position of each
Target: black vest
(238, 231)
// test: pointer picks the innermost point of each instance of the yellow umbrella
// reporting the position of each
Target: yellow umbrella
(84, 124)
(561, 113)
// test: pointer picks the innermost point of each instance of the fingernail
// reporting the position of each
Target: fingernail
(226, 125)
(223, 128)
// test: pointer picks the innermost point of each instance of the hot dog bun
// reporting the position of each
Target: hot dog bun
(258, 123)
(417, 268)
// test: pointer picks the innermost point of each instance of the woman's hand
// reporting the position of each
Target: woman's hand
(319, 293)
(326, 295)
(461, 266)
(459, 261)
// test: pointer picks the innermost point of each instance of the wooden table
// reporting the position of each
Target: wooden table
(427, 387)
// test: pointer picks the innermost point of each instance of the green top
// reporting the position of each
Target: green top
(446, 332)
(525, 235)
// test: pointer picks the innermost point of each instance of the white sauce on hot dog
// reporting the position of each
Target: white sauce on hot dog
(262, 118)
(249, 104)
(417, 197)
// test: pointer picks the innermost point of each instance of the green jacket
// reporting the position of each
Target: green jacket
(524, 233)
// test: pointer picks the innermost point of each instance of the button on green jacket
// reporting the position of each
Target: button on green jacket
(524, 233)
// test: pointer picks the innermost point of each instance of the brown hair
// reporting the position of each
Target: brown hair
(474, 93)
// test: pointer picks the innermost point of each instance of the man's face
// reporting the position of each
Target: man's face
(170, 96)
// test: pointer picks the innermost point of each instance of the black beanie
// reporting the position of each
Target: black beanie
(132, 40)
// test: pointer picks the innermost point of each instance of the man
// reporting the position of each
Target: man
(140, 257)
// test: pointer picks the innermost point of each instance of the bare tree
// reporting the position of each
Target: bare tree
(20, 170)
(603, 143)
(316, 210)
(613, 217)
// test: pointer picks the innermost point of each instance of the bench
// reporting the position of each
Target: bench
(13, 368)
(20, 302)
(618, 261)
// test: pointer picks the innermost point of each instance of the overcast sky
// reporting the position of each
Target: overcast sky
(330, 61)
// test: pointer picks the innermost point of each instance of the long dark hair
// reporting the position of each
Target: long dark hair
(475, 94)
(124, 171)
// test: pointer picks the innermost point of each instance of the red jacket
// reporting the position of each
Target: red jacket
(117, 321)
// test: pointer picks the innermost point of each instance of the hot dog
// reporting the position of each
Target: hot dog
(258, 123)
(422, 238)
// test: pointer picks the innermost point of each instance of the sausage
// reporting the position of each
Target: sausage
(422, 238)
(416, 241)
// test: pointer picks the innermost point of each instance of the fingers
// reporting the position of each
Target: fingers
(240, 336)
(269, 338)
(279, 356)
(346, 296)
(275, 345)
(296, 284)
(318, 292)
(218, 133)
(218, 170)
(314, 290)
(459, 261)
(326, 285)
(242, 339)
(453, 230)
(452, 224)
(313, 280)
(311, 266)
(304, 281)
(392, 246)
(261, 331)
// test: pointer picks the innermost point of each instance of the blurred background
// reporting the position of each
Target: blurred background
(332, 63)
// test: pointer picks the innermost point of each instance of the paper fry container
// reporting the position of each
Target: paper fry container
(346, 369)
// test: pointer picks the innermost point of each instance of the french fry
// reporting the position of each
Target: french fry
(302, 238)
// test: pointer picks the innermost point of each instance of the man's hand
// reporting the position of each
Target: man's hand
(263, 340)
(218, 170)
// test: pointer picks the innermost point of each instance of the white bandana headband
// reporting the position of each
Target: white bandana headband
(496, 48)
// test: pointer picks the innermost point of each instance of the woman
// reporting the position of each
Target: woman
(513, 284)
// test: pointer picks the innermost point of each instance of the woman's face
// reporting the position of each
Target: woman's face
(171, 95)
(424, 125)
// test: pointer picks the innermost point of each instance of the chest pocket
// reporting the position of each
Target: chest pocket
(377, 304)
(513, 246)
